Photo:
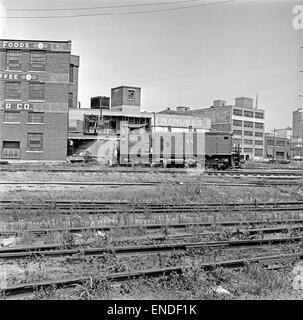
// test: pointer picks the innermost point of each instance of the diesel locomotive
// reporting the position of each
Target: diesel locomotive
(180, 149)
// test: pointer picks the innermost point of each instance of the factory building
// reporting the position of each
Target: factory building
(246, 122)
(38, 85)
(277, 147)
(180, 120)
(99, 128)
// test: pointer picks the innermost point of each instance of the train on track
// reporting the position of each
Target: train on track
(214, 150)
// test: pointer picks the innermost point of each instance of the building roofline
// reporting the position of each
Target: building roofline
(126, 87)
(37, 40)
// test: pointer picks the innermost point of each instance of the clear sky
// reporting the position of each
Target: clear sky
(188, 56)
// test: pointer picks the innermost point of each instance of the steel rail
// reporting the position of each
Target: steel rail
(147, 273)
(114, 277)
(153, 170)
(147, 204)
(152, 183)
(93, 211)
(5, 233)
(55, 251)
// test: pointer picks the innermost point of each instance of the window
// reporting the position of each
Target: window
(237, 141)
(248, 150)
(131, 94)
(70, 100)
(237, 132)
(248, 133)
(13, 60)
(249, 114)
(280, 143)
(237, 123)
(36, 91)
(270, 142)
(258, 134)
(259, 142)
(34, 142)
(71, 73)
(259, 125)
(11, 117)
(248, 141)
(35, 117)
(237, 112)
(11, 150)
(37, 60)
(13, 90)
(259, 152)
(248, 124)
(259, 115)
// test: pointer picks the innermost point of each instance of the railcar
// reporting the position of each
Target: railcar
(188, 149)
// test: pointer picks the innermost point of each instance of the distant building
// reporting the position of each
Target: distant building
(297, 126)
(246, 122)
(100, 103)
(180, 120)
(38, 85)
(278, 145)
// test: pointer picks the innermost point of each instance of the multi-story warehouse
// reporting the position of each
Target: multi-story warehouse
(246, 122)
(38, 84)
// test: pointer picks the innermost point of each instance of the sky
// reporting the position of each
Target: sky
(188, 56)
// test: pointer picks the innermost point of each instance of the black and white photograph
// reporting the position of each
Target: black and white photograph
(151, 150)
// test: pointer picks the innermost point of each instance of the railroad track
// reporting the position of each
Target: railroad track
(252, 171)
(260, 183)
(56, 250)
(115, 208)
(268, 260)
(288, 226)
(142, 205)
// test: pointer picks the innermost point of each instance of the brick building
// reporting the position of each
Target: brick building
(38, 84)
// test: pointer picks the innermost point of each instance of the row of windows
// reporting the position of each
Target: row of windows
(249, 141)
(248, 133)
(14, 61)
(249, 114)
(36, 92)
(14, 117)
(13, 91)
(11, 149)
(37, 62)
(258, 152)
(248, 124)
(278, 142)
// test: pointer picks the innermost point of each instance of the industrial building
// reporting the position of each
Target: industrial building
(297, 135)
(243, 119)
(277, 147)
(99, 128)
(38, 85)
(180, 120)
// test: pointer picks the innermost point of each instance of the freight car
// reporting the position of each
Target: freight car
(187, 149)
